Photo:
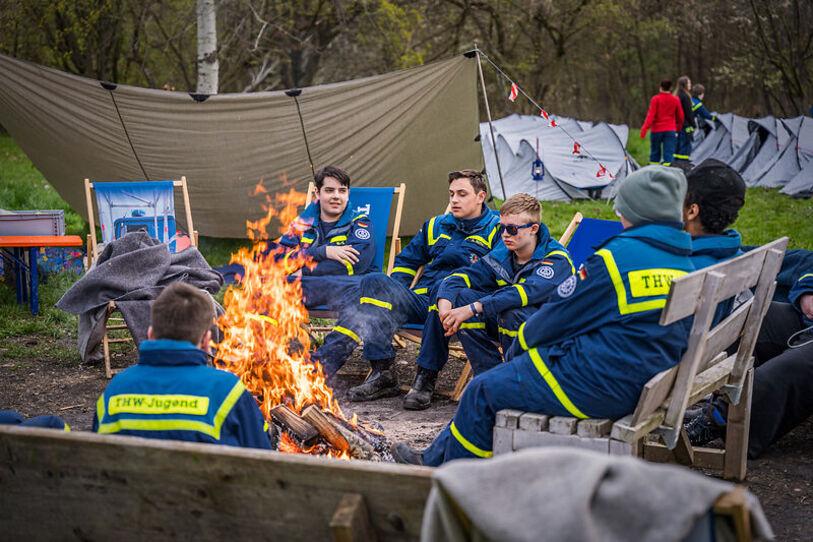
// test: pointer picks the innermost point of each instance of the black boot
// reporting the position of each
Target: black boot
(382, 382)
(420, 396)
(405, 455)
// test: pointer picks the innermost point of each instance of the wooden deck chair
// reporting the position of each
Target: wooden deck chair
(414, 332)
(654, 430)
(376, 203)
(129, 206)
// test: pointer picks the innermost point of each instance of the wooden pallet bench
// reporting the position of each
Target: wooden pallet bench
(654, 430)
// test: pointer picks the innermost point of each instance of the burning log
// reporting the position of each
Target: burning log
(290, 421)
(314, 416)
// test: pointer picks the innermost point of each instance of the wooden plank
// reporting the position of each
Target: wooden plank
(737, 430)
(190, 227)
(621, 448)
(735, 505)
(626, 431)
(462, 381)
(711, 379)
(704, 458)
(684, 453)
(59, 486)
(91, 224)
(508, 418)
(537, 439)
(562, 425)
(396, 223)
(594, 428)
(530, 421)
(503, 440)
(351, 522)
(725, 333)
(654, 394)
(571, 228)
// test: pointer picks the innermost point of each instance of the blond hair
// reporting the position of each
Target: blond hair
(522, 203)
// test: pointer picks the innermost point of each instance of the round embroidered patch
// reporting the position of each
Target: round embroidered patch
(473, 258)
(567, 288)
(545, 271)
(363, 234)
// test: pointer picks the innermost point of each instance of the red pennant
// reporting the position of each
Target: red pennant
(512, 96)
(602, 171)
(543, 114)
(577, 148)
(553, 123)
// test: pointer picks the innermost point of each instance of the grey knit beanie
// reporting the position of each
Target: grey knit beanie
(652, 194)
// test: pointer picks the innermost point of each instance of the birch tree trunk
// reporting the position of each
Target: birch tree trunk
(208, 66)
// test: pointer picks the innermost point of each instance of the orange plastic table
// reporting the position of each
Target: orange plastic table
(14, 247)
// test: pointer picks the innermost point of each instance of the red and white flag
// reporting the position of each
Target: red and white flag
(512, 96)
(553, 123)
(543, 114)
(602, 171)
(577, 148)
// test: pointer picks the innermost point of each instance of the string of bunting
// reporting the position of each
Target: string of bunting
(578, 148)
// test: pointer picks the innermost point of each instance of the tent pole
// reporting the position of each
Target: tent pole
(294, 93)
(490, 125)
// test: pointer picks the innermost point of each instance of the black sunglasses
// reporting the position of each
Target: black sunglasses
(511, 229)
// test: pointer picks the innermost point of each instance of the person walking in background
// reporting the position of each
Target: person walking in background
(686, 133)
(664, 118)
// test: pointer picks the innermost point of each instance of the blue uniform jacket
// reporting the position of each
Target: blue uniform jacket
(804, 285)
(173, 394)
(445, 244)
(700, 110)
(530, 285)
(305, 237)
(708, 250)
(597, 340)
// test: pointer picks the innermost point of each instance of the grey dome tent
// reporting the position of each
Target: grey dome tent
(521, 139)
(801, 184)
(786, 164)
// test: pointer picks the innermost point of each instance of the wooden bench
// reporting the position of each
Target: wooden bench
(654, 430)
(59, 486)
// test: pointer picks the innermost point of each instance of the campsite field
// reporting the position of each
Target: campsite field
(41, 371)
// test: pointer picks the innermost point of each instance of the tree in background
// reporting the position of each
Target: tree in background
(208, 66)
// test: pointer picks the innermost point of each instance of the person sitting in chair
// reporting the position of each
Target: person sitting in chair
(173, 393)
(484, 304)
(591, 348)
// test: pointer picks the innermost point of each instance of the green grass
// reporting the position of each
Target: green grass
(51, 335)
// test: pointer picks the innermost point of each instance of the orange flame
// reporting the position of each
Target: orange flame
(264, 339)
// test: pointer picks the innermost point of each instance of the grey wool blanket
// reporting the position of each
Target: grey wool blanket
(132, 271)
(569, 494)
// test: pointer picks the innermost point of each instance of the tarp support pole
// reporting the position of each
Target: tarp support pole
(126, 133)
(490, 125)
(294, 93)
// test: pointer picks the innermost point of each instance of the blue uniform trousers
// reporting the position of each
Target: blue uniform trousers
(383, 306)
(479, 335)
(516, 384)
(662, 147)
(684, 145)
(332, 292)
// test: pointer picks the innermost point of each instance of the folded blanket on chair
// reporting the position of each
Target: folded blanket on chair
(132, 271)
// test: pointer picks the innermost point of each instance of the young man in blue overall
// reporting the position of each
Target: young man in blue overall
(339, 240)
(444, 244)
(594, 344)
(173, 393)
(484, 304)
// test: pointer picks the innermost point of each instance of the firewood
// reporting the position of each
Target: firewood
(295, 425)
(314, 416)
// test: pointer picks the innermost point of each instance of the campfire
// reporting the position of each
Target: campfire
(266, 343)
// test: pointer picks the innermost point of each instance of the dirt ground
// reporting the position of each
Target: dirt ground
(782, 479)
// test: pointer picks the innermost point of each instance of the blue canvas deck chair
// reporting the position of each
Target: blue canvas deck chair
(376, 203)
(124, 207)
(590, 232)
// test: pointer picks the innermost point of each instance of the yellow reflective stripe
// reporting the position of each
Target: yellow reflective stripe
(620, 291)
(509, 332)
(443, 236)
(308, 240)
(430, 232)
(376, 302)
(805, 276)
(666, 164)
(421, 291)
(521, 336)
(468, 445)
(100, 408)
(463, 276)
(433, 308)
(473, 325)
(348, 332)
(349, 267)
(212, 430)
(501, 282)
(142, 403)
(492, 234)
(338, 238)
(67, 428)
(554, 385)
(522, 295)
(479, 238)
(359, 217)
(681, 156)
(265, 425)
(697, 106)
(651, 282)
(564, 255)
(406, 270)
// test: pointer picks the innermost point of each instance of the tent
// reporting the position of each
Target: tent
(801, 184)
(522, 139)
(723, 143)
(410, 126)
(787, 163)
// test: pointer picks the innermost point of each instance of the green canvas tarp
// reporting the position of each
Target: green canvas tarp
(410, 126)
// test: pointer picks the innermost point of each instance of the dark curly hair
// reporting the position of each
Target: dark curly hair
(718, 191)
(332, 171)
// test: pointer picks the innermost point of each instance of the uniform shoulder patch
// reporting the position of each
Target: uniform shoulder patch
(567, 288)
(545, 271)
(362, 224)
(582, 272)
(362, 234)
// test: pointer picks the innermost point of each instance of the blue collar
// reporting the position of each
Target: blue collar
(718, 246)
(169, 352)
(469, 225)
(313, 215)
(668, 236)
